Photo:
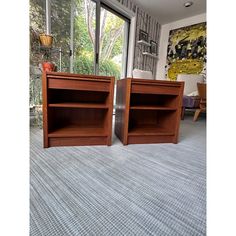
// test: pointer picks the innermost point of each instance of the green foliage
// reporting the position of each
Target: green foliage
(85, 65)
(109, 68)
(35, 91)
(111, 41)
(118, 46)
(82, 40)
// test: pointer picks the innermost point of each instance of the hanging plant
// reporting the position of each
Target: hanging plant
(46, 40)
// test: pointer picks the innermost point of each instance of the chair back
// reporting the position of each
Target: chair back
(190, 82)
(201, 90)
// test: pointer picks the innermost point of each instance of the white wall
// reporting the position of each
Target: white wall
(164, 37)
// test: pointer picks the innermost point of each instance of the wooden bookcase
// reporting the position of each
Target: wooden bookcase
(77, 109)
(148, 111)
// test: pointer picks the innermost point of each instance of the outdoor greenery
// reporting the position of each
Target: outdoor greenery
(84, 65)
(110, 41)
(84, 27)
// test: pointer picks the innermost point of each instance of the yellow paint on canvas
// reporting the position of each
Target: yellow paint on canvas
(188, 35)
(188, 66)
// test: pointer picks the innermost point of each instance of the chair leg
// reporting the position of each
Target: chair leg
(182, 113)
(196, 115)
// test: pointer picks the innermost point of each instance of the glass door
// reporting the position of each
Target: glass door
(90, 37)
(84, 39)
(113, 43)
(73, 25)
(100, 39)
(60, 29)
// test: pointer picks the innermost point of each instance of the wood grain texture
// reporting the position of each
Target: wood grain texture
(179, 111)
(78, 105)
(151, 108)
(75, 141)
(149, 111)
(110, 111)
(53, 74)
(122, 109)
(78, 131)
(76, 84)
(203, 100)
(77, 109)
(146, 139)
(45, 109)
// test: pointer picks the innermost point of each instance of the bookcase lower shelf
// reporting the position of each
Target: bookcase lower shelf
(150, 134)
(77, 135)
(145, 130)
(143, 139)
(78, 131)
(77, 141)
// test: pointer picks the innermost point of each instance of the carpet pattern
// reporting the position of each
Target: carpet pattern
(155, 189)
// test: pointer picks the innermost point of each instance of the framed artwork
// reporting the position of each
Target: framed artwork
(186, 52)
(143, 35)
(153, 47)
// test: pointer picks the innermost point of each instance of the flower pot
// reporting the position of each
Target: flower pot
(46, 40)
(48, 66)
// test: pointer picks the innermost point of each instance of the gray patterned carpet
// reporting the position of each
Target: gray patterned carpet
(155, 189)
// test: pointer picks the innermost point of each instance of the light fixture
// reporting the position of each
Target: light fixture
(188, 4)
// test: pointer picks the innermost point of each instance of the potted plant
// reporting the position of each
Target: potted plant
(47, 65)
(45, 40)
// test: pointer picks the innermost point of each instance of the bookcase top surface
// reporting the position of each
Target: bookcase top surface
(154, 81)
(77, 76)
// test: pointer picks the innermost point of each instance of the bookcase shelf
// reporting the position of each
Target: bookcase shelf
(142, 42)
(78, 131)
(79, 105)
(146, 107)
(149, 130)
(148, 111)
(77, 109)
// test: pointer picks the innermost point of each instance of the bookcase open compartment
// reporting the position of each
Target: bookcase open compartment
(77, 110)
(148, 111)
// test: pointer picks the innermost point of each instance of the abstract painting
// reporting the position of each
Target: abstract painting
(186, 51)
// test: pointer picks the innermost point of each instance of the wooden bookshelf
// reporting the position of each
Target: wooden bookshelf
(77, 109)
(148, 111)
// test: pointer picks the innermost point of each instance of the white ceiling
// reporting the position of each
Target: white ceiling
(171, 10)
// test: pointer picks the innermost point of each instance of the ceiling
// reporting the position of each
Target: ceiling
(171, 10)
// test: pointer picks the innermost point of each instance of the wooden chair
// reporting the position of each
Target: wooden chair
(191, 99)
(202, 94)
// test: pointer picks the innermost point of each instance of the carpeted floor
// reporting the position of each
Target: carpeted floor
(155, 189)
